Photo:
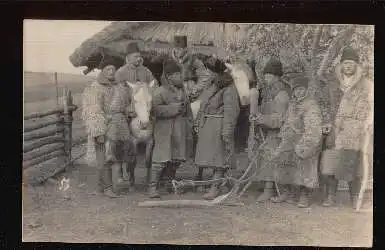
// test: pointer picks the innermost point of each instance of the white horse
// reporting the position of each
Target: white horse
(142, 126)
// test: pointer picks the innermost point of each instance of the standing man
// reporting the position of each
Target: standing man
(107, 112)
(274, 100)
(215, 125)
(172, 132)
(352, 113)
(134, 71)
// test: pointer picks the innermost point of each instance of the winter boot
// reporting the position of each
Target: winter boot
(331, 190)
(353, 186)
(304, 199)
(156, 172)
(214, 189)
(268, 192)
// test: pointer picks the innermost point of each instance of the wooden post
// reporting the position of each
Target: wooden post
(68, 119)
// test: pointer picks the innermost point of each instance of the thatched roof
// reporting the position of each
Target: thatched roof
(155, 38)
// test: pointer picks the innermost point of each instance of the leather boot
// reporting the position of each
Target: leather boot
(156, 172)
(268, 192)
(171, 176)
(214, 189)
(353, 186)
(331, 190)
(304, 198)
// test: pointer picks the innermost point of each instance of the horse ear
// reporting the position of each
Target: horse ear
(229, 67)
(152, 84)
(133, 86)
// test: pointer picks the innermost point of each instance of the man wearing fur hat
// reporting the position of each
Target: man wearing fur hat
(216, 123)
(300, 146)
(134, 71)
(352, 103)
(196, 76)
(107, 112)
(172, 133)
(274, 100)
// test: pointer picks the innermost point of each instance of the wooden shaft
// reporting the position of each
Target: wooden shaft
(38, 135)
(33, 155)
(44, 141)
(32, 127)
(50, 112)
(43, 158)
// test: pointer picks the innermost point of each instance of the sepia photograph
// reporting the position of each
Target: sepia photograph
(198, 133)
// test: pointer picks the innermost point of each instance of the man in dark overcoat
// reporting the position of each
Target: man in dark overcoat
(172, 128)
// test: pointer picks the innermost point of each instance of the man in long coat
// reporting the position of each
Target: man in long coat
(172, 130)
(300, 145)
(352, 101)
(107, 111)
(134, 71)
(274, 100)
(215, 125)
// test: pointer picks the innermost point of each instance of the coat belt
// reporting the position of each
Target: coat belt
(215, 116)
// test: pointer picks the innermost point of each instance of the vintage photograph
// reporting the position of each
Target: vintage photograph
(198, 133)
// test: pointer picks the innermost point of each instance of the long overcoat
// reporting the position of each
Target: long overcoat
(352, 111)
(301, 141)
(216, 121)
(274, 101)
(172, 129)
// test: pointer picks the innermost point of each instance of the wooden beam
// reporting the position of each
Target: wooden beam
(38, 135)
(43, 158)
(50, 112)
(44, 141)
(43, 124)
(41, 152)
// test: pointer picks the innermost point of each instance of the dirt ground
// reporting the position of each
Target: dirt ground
(49, 217)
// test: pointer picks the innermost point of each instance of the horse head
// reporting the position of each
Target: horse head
(142, 103)
(241, 82)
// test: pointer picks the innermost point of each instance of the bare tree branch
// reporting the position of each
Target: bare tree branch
(334, 48)
(298, 45)
(315, 45)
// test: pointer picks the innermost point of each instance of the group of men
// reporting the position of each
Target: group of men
(293, 155)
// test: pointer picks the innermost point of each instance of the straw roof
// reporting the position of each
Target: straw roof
(155, 39)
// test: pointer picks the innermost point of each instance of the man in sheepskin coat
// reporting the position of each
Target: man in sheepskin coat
(300, 146)
(107, 111)
(352, 100)
(275, 96)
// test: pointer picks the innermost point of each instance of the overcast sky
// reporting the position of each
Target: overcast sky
(49, 43)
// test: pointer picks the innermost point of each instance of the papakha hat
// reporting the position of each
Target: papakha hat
(274, 67)
(350, 54)
(180, 41)
(170, 67)
(132, 48)
(106, 61)
(299, 81)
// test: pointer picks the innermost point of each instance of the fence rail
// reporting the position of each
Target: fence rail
(49, 140)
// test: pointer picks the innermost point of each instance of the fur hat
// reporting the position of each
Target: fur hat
(108, 61)
(180, 41)
(299, 81)
(350, 54)
(170, 67)
(274, 67)
(132, 48)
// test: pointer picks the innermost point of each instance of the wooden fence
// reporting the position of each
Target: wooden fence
(48, 143)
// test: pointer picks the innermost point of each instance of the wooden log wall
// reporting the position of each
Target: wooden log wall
(47, 136)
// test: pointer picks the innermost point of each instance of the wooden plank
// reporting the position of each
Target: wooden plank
(50, 112)
(79, 141)
(43, 158)
(38, 173)
(33, 155)
(42, 125)
(44, 141)
(42, 134)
